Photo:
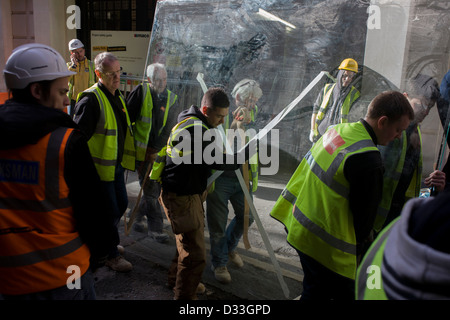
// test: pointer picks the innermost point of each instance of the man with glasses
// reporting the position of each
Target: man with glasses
(84, 76)
(403, 157)
(102, 115)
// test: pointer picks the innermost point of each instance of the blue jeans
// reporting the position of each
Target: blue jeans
(224, 240)
(320, 283)
(116, 193)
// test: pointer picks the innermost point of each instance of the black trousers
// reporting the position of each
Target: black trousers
(320, 283)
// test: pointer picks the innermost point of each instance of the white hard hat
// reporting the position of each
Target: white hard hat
(32, 63)
(75, 44)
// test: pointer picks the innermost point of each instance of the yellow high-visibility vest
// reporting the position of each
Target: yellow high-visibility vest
(351, 97)
(314, 206)
(143, 125)
(103, 144)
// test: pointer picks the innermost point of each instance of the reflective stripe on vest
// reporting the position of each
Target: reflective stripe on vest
(38, 237)
(160, 161)
(158, 165)
(345, 108)
(172, 150)
(143, 124)
(103, 144)
(324, 229)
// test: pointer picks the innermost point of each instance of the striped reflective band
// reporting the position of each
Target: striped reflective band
(322, 234)
(104, 162)
(52, 200)
(40, 255)
(327, 177)
(100, 129)
(289, 196)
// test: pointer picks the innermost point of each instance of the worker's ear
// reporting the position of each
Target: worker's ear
(204, 110)
(382, 122)
(97, 73)
(36, 91)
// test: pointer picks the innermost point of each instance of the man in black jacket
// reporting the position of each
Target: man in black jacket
(184, 183)
(101, 113)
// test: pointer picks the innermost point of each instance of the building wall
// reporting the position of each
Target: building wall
(28, 21)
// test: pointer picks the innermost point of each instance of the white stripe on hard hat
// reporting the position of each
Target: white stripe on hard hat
(32, 63)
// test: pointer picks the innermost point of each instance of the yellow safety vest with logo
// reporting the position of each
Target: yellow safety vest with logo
(91, 80)
(373, 257)
(143, 125)
(314, 206)
(253, 160)
(351, 97)
(392, 176)
(103, 144)
(171, 150)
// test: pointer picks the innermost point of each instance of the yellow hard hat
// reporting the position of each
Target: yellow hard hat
(349, 64)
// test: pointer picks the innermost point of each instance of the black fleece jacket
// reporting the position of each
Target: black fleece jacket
(191, 178)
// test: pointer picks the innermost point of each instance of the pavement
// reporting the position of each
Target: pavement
(256, 280)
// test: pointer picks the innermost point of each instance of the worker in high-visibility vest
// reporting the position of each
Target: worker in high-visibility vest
(183, 167)
(410, 258)
(52, 217)
(101, 113)
(329, 205)
(334, 102)
(403, 157)
(154, 110)
(226, 188)
(84, 69)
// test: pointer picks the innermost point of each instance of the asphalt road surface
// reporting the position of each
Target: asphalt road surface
(256, 280)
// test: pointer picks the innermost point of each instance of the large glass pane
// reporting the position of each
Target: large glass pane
(284, 45)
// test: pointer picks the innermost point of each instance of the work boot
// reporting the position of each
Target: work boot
(119, 264)
(120, 249)
(236, 259)
(140, 225)
(221, 274)
(160, 237)
(200, 288)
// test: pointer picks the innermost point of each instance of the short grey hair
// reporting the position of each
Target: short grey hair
(101, 58)
(151, 70)
(246, 88)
